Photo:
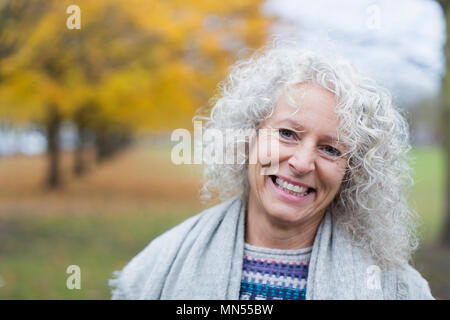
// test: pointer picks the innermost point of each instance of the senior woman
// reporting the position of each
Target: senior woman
(322, 215)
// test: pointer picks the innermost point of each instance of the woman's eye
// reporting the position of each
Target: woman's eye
(286, 133)
(332, 151)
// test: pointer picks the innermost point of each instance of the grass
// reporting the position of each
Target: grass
(99, 222)
(428, 193)
(36, 251)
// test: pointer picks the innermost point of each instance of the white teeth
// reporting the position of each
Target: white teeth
(290, 187)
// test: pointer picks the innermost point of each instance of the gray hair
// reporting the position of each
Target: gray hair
(372, 201)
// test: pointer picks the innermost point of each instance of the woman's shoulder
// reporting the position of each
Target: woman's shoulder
(411, 284)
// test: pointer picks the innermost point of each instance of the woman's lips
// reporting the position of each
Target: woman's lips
(295, 183)
(287, 195)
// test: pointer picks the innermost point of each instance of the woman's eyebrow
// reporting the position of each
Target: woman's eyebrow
(293, 124)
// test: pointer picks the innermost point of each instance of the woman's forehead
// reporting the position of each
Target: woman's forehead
(311, 106)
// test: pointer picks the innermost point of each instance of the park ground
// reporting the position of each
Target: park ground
(101, 220)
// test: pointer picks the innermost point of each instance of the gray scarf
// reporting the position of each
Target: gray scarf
(202, 257)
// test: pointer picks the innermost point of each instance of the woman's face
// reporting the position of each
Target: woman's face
(310, 170)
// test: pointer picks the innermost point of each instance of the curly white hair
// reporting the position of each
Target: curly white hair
(372, 202)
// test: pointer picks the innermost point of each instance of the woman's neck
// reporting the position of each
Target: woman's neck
(263, 231)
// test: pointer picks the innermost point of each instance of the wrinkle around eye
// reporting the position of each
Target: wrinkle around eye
(332, 156)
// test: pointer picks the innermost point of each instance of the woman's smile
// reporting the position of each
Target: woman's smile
(290, 190)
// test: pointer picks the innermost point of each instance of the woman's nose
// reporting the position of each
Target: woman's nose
(302, 160)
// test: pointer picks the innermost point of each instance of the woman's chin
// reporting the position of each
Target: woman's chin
(282, 212)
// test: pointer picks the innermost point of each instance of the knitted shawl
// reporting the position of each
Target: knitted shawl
(202, 257)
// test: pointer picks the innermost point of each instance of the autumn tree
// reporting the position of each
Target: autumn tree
(132, 65)
(30, 76)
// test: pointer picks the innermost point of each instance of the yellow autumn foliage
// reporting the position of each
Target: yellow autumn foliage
(143, 64)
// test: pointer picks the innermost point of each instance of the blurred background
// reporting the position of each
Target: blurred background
(89, 96)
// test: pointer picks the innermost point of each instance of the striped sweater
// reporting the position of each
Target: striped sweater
(274, 274)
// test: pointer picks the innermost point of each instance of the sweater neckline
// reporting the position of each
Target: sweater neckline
(276, 251)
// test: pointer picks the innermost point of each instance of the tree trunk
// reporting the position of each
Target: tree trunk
(79, 167)
(53, 148)
(103, 149)
(80, 120)
(445, 113)
(110, 143)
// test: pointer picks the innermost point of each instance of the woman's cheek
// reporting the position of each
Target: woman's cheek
(334, 172)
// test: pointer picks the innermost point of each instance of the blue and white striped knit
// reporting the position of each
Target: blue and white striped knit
(274, 274)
